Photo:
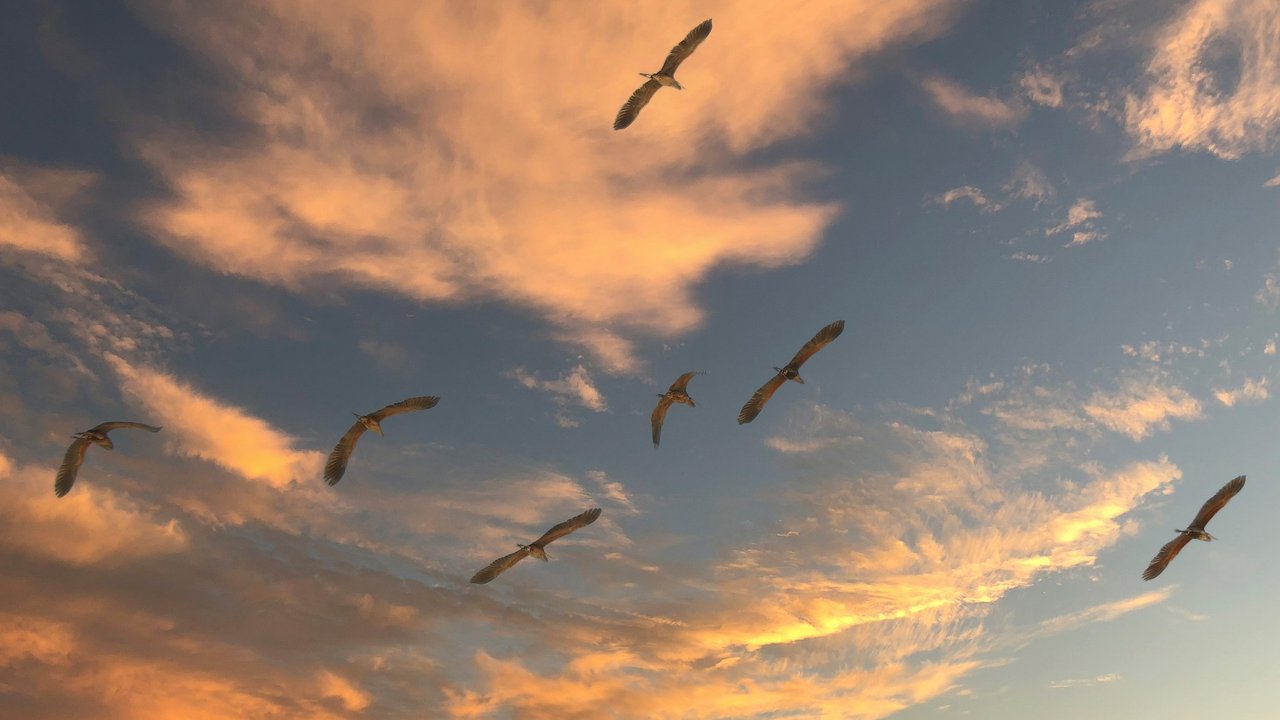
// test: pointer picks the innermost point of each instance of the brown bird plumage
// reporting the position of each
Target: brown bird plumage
(666, 76)
(790, 372)
(74, 457)
(1194, 531)
(535, 548)
(341, 455)
(677, 393)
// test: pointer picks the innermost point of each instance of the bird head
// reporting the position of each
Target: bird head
(676, 84)
(538, 552)
(96, 438)
(369, 423)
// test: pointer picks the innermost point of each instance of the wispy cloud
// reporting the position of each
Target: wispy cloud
(402, 166)
(1273, 182)
(1252, 391)
(90, 526)
(203, 427)
(965, 106)
(1084, 682)
(1042, 87)
(31, 201)
(1213, 81)
(970, 193)
(576, 387)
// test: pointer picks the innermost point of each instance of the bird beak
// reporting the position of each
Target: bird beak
(378, 429)
(799, 379)
(691, 404)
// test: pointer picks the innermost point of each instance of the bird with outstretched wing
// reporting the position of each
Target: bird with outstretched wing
(666, 76)
(1194, 531)
(74, 457)
(677, 393)
(535, 548)
(789, 372)
(341, 455)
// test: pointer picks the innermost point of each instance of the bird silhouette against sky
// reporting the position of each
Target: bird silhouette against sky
(675, 394)
(535, 548)
(1194, 531)
(666, 76)
(75, 454)
(790, 372)
(341, 455)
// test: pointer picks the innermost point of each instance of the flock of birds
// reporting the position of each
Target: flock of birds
(336, 466)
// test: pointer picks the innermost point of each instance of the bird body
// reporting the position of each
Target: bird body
(74, 457)
(791, 371)
(535, 548)
(336, 466)
(666, 77)
(1194, 531)
(677, 393)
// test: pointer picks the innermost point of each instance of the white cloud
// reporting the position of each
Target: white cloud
(577, 387)
(1030, 183)
(1252, 391)
(1042, 87)
(1082, 212)
(1273, 182)
(970, 193)
(1213, 81)
(1023, 256)
(201, 426)
(965, 106)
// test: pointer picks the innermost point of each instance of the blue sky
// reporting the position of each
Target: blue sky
(1050, 230)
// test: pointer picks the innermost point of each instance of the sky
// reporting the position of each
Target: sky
(1050, 229)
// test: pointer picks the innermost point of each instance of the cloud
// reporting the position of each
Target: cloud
(31, 201)
(401, 165)
(970, 193)
(964, 106)
(1252, 391)
(1084, 682)
(201, 426)
(1140, 405)
(577, 387)
(335, 686)
(1030, 183)
(1042, 87)
(1269, 293)
(90, 526)
(1212, 81)
(1273, 182)
(1082, 212)
(1022, 256)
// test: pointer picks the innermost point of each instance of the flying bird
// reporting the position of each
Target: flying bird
(341, 455)
(1194, 531)
(790, 372)
(535, 548)
(675, 394)
(665, 76)
(96, 435)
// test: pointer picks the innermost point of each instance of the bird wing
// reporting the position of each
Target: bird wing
(757, 401)
(337, 463)
(1216, 503)
(682, 382)
(686, 47)
(70, 466)
(107, 427)
(635, 103)
(819, 341)
(567, 527)
(1166, 554)
(404, 406)
(499, 566)
(659, 414)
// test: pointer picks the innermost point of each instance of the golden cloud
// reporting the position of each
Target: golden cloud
(400, 163)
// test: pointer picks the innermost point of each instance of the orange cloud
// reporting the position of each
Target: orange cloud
(202, 427)
(963, 105)
(403, 165)
(91, 526)
(31, 201)
(1191, 101)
